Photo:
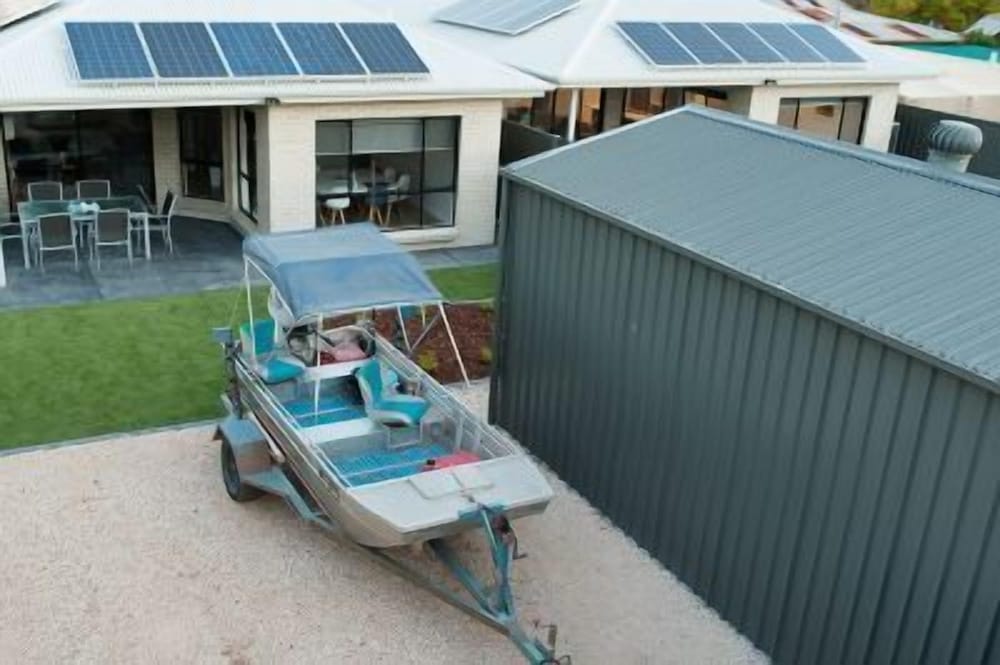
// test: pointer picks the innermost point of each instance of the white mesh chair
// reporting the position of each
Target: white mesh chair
(398, 193)
(93, 189)
(55, 233)
(111, 229)
(161, 222)
(336, 208)
(46, 190)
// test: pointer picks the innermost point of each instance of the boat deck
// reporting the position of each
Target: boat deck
(377, 465)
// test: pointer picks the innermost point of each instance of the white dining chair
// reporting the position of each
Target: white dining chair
(336, 208)
(398, 192)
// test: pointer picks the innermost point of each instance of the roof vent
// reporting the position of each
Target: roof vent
(952, 144)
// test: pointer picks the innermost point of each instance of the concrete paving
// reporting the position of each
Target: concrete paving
(208, 255)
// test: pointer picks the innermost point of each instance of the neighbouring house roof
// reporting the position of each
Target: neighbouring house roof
(15, 10)
(36, 70)
(867, 25)
(988, 25)
(963, 86)
(583, 47)
(886, 244)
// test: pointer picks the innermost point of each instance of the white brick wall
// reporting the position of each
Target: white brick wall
(4, 193)
(166, 152)
(288, 198)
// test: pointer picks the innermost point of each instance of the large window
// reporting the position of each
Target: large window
(837, 118)
(246, 142)
(201, 153)
(401, 171)
(66, 146)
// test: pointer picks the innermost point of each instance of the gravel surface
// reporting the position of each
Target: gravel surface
(129, 550)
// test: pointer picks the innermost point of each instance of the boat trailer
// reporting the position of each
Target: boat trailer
(250, 462)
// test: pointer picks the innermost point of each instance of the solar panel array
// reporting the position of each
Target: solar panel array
(679, 44)
(196, 51)
(507, 17)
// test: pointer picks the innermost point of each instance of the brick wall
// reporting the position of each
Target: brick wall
(290, 144)
(166, 152)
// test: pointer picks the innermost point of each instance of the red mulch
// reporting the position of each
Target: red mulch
(473, 328)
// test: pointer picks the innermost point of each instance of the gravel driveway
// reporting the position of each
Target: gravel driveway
(129, 551)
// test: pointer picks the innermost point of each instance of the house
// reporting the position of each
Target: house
(259, 112)
(873, 27)
(774, 361)
(613, 62)
(988, 25)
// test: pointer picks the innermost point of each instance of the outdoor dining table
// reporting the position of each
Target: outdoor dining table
(30, 211)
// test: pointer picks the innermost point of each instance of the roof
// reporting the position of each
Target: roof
(963, 85)
(867, 25)
(889, 245)
(988, 25)
(583, 47)
(340, 269)
(36, 67)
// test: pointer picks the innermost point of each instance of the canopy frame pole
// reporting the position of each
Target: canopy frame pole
(319, 361)
(454, 344)
(402, 327)
(252, 352)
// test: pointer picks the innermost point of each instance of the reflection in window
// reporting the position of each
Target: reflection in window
(713, 99)
(246, 141)
(201, 153)
(590, 118)
(399, 172)
(834, 118)
(518, 110)
(66, 146)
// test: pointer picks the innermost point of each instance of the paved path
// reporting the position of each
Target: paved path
(129, 551)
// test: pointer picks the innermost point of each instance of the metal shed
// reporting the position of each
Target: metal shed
(775, 363)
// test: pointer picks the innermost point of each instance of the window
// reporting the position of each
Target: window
(246, 142)
(66, 146)
(201, 153)
(402, 169)
(591, 119)
(518, 110)
(838, 118)
(713, 99)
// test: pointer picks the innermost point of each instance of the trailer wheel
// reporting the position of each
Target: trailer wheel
(235, 488)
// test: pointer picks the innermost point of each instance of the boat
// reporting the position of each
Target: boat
(345, 426)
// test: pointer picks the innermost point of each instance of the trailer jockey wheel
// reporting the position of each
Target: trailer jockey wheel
(237, 490)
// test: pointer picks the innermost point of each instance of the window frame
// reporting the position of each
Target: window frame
(249, 175)
(209, 163)
(842, 101)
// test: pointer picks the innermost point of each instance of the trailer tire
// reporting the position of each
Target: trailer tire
(235, 487)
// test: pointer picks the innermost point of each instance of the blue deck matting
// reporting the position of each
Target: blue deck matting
(373, 467)
(331, 410)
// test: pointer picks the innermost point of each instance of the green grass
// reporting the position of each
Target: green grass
(103, 367)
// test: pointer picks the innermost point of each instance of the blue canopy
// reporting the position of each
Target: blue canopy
(339, 269)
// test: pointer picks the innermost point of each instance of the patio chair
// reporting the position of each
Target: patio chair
(10, 228)
(146, 199)
(161, 222)
(46, 190)
(55, 233)
(93, 189)
(111, 229)
(398, 192)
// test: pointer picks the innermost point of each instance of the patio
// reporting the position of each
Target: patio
(207, 255)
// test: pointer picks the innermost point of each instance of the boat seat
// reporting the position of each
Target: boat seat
(272, 364)
(383, 404)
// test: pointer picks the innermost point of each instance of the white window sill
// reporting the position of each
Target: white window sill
(424, 236)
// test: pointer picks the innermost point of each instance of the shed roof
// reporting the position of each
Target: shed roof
(886, 244)
(36, 67)
(583, 47)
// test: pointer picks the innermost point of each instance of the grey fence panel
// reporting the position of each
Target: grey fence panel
(915, 124)
(519, 141)
(835, 499)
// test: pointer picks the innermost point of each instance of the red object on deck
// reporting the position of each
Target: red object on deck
(455, 459)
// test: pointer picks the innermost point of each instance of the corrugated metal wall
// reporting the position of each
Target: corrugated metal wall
(916, 123)
(833, 498)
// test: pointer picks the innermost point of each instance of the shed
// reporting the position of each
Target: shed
(774, 362)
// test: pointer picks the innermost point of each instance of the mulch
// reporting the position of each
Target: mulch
(472, 325)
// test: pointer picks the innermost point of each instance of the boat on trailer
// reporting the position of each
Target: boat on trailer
(341, 423)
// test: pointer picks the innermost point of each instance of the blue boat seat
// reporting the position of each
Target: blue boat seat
(270, 363)
(383, 404)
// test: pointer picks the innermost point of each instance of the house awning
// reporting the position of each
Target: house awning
(340, 269)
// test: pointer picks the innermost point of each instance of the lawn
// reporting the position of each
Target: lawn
(91, 369)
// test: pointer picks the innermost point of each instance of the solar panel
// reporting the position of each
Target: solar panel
(656, 44)
(320, 49)
(383, 48)
(105, 51)
(825, 42)
(183, 50)
(785, 42)
(509, 17)
(253, 49)
(702, 43)
(745, 42)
